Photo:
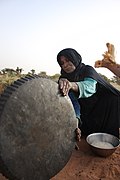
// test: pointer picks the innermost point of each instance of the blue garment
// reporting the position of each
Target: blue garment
(86, 89)
(75, 103)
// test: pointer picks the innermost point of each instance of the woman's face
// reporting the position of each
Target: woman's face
(66, 65)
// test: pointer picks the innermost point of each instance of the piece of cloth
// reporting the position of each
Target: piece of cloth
(75, 103)
(101, 111)
(76, 107)
(87, 87)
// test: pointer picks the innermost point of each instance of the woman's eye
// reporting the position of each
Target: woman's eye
(61, 63)
(66, 60)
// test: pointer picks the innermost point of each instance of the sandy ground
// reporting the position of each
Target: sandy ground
(85, 165)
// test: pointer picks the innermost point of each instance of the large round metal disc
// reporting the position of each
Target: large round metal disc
(36, 130)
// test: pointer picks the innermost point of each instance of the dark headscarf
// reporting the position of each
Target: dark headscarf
(71, 54)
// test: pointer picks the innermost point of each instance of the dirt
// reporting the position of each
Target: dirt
(85, 165)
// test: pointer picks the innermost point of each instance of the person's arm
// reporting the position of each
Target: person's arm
(66, 85)
(87, 87)
(84, 88)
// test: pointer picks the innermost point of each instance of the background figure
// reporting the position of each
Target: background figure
(99, 102)
(108, 60)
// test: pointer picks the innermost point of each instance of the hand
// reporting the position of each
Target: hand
(78, 137)
(64, 86)
(78, 134)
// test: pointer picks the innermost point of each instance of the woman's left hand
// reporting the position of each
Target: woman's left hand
(78, 134)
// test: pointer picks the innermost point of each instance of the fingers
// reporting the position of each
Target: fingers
(76, 147)
(78, 134)
(64, 86)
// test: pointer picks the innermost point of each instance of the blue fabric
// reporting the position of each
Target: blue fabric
(75, 103)
(87, 87)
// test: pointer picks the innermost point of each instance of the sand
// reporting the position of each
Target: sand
(85, 165)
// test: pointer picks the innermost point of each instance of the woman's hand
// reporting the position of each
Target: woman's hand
(78, 134)
(64, 86)
(78, 137)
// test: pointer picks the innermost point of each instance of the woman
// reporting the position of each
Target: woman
(96, 102)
